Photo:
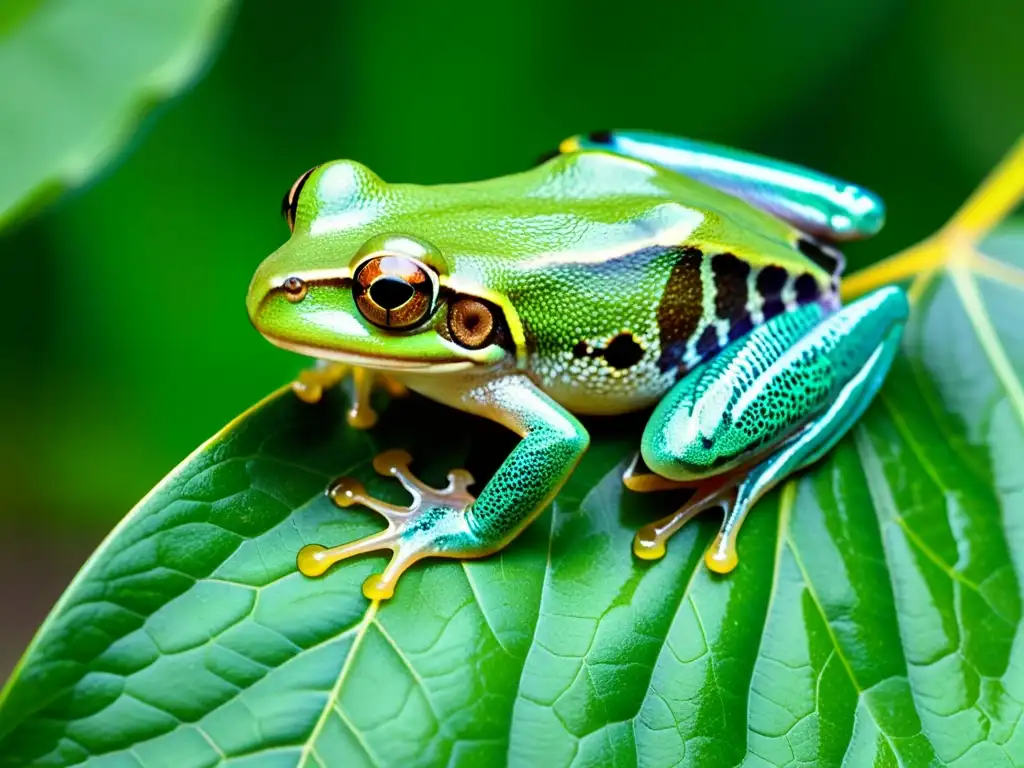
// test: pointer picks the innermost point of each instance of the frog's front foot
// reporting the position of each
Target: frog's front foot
(434, 525)
(311, 383)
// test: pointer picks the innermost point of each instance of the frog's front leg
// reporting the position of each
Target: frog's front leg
(767, 406)
(311, 383)
(449, 522)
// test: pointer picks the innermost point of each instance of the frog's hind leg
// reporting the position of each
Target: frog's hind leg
(735, 438)
(817, 439)
(650, 541)
(812, 202)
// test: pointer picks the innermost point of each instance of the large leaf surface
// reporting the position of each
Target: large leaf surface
(69, 97)
(875, 616)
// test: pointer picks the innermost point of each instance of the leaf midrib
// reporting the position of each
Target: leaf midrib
(332, 698)
(967, 290)
(835, 642)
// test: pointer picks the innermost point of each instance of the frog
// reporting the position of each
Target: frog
(626, 271)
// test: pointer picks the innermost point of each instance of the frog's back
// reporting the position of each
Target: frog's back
(621, 275)
(612, 322)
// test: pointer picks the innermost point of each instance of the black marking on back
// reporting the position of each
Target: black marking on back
(681, 307)
(824, 256)
(741, 328)
(621, 352)
(807, 288)
(730, 286)
(770, 282)
(600, 137)
(773, 308)
(707, 344)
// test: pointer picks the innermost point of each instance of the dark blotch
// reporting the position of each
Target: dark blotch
(623, 351)
(672, 357)
(707, 442)
(600, 137)
(773, 308)
(730, 286)
(681, 307)
(828, 259)
(740, 328)
(580, 349)
(707, 344)
(770, 281)
(807, 288)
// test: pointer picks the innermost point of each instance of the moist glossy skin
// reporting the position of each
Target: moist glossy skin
(591, 284)
(577, 252)
(813, 202)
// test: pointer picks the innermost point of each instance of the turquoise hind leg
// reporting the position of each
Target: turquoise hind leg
(812, 202)
(817, 439)
(877, 320)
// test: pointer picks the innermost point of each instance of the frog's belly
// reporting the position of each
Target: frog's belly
(589, 384)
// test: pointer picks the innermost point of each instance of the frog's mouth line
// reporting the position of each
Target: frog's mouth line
(375, 362)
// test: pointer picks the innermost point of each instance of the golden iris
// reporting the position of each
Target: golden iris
(394, 291)
(470, 322)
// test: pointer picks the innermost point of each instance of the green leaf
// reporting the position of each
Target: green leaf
(875, 616)
(69, 99)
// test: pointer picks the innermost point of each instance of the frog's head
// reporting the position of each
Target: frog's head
(360, 281)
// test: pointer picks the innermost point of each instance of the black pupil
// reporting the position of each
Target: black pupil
(390, 292)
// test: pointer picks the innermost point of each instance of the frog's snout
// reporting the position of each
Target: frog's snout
(258, 290)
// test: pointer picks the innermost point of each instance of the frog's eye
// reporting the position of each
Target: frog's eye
(290, 202)
(394, 291)
(471, 322)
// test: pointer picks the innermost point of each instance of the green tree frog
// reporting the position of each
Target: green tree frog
(627, 271)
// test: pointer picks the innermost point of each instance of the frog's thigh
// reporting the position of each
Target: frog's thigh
(811, 201)
(817, 439)
(861, 341)
(763, 388)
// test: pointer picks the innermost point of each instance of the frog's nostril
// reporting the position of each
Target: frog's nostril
(391, 292)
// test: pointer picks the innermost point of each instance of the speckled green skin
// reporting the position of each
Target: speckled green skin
(757, 393)
(575, 246)
(613, 280)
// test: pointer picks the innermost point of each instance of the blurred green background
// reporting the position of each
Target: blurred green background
(125, 339)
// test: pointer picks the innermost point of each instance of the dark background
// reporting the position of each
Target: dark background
(125, 341)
